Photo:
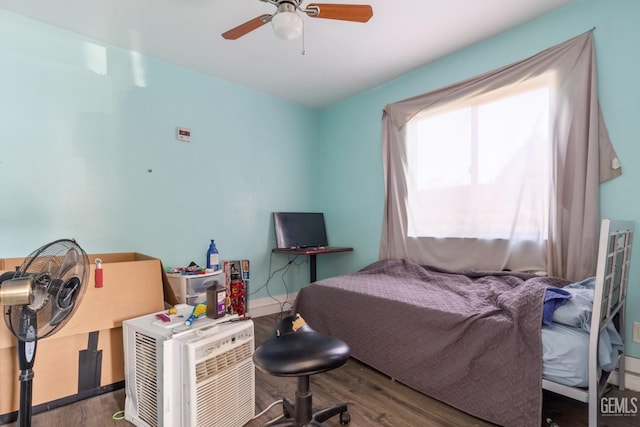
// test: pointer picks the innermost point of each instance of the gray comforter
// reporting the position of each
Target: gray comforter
(471, 340)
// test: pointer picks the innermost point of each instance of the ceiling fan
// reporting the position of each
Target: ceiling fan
(287, 24)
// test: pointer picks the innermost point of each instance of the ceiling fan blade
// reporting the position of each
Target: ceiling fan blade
(247, 27)
(342, 12)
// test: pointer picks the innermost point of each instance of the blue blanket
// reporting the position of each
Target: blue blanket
(553, 298)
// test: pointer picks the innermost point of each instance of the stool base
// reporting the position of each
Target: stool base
(300, 414)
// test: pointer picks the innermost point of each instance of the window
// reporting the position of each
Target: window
(481, 168)
(501, 170)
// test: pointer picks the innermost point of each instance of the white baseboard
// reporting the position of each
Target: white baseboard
(268, 305)
(632, 374)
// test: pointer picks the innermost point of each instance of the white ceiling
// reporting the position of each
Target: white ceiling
(342, 59)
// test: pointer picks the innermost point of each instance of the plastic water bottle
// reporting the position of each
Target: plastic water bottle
(213, 260)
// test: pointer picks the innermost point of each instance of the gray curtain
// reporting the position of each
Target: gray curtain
(583, 158)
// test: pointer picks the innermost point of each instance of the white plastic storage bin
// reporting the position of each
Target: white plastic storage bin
(192, 288)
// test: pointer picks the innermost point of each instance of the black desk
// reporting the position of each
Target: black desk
(311, 253)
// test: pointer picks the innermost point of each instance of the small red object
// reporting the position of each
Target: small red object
(99, 281)
(163, 317)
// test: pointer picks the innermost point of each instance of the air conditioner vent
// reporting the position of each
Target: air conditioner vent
(227, 400)
(213, 366)
(146, 378)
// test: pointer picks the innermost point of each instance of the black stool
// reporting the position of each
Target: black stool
(296, 350)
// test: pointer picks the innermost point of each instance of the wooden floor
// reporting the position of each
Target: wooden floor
(374, 401)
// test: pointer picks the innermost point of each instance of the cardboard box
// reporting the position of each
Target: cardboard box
(86, 355)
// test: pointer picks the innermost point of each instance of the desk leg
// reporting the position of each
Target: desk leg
(312, 268)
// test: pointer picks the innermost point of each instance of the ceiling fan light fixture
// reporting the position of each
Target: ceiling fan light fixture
(286, 23)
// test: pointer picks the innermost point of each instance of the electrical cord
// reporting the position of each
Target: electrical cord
(265, 410)
(284, 284)
(271, 274)
(286, 288)
(283, 270)
(268, 423)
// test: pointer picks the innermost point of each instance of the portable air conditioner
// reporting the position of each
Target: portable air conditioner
(199, 376)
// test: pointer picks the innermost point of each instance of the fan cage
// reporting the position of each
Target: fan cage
(59, 271)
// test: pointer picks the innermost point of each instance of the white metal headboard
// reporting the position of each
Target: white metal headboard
(609, 298)
(612, 277)
(612, 271)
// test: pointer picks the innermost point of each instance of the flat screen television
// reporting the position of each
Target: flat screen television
(300, 230)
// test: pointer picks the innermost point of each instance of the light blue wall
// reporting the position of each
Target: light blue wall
(83, 122)
(88, 151)
(351, 183)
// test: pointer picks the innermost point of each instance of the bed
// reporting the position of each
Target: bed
(476, 340)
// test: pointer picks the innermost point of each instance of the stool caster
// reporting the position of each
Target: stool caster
(345, 418)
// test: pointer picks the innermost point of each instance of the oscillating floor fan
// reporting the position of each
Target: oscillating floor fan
(40, 297)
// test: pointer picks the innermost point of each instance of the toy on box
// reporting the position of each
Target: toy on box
(198, 311)
(237, 274)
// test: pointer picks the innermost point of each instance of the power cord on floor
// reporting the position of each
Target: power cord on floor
(119, 415)
(268, 423)
(267, 409)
